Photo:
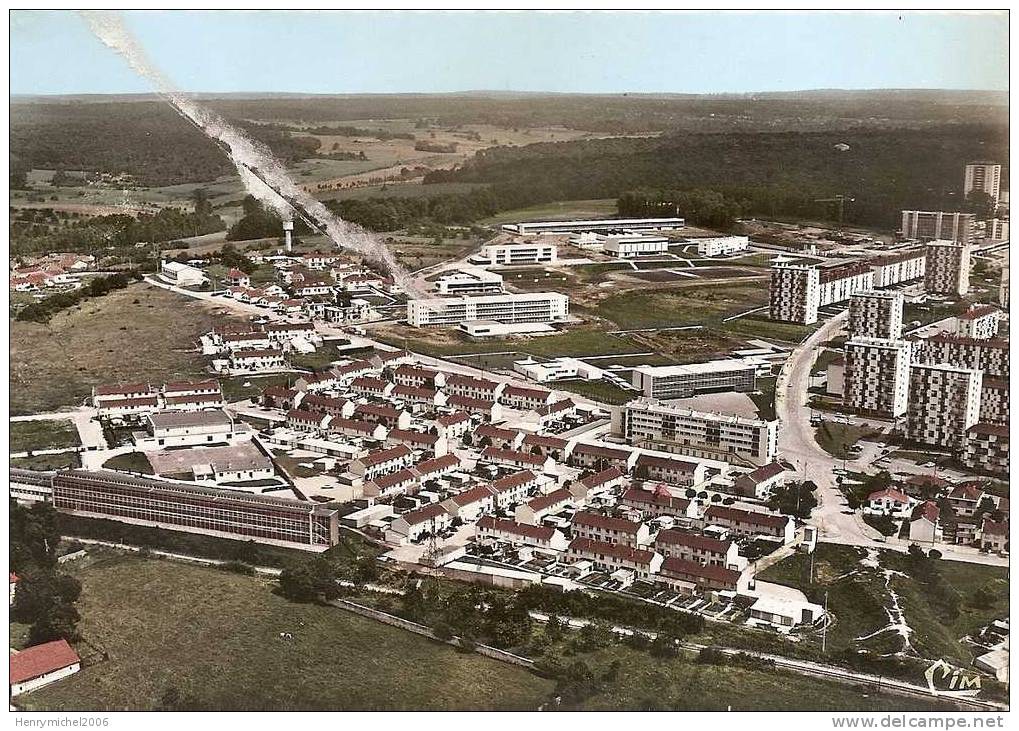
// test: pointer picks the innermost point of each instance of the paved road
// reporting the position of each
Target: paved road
(796, 443)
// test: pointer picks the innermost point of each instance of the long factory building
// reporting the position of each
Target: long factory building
(539, 307)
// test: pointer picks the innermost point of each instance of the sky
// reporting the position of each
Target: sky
(53, 52)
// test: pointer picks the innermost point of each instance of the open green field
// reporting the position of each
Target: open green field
(46, 462)
(235, 390)
(137, 334)
(682, 684)
(440, 342)
(129, 462)
(27, 436)
(565, 210)
(836, 438)
(705, 304)
(213, 638)
(859, 597)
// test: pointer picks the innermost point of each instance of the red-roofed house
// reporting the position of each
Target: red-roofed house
(890, 501)
(924, 524)
(513, 458)
(381, 461)
(521, 534)
(381, 414)
(39, 665)
(430, 469)
(761, 482)
(965, 498)
(489, 435)
(614, 556)
(598, 457)
(669, 469)
(994, 536)
(699, 548)
(237, 278)
(420, 440)
(534, 510)
(607, 529)
(488, 409)
(369, 386)
(554, 447)
(416, 377)
(453, 426)
(411, 526)
(470, 504)
(525, 399)
(747, 523)
(388, 485)
(656, 503)
(512, 489)
(689, 576)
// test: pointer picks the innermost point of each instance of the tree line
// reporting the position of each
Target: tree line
(43, 310)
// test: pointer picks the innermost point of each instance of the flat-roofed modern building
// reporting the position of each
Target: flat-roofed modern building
(652, 424)
(902, 266)
(504, 308)
(938, 225)
(608, 224)
(944, 404)
(876, 379)
(876, 314)
(947, 267)
(469, 281)
(722, 245)
(531, 252)
(682, 381)
(983, 177)
(632, 245)
(990, 356)
(188, 507)
(794, 293)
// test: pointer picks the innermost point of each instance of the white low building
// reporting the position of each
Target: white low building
(722, 245)
(516, 253)
(502, 308)
(37, 666)
(473, 280)
(181, 275)
(630, 245)
(190, 428)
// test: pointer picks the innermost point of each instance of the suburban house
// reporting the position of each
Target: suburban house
(607, 529)
(669, 469)
(890, 502)
(689, 576)
(358, 428)
(601, 482)
(525, 399)
(37, 666)
(521, 534)
(761, 482)
(924, 524)
(656, 503)
(747, 523)
(388, 485)
(537, 508)
(513, 458)
(454, 426)
(411, 526)
(698, 548)
(469, 505)
(420, 440)
(381, 461)
(614, 556)
(598, 457)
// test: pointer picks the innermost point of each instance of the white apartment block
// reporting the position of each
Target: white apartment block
(469, 281)
(631, 245)
(656, 425)
(944, 403)
(948, 265)
(682, 381)
(983, 177)
(504, 308)
(517, 253)
(876, 377)
(876, 314)
(722, 245)
(902, 266)
(794, 293)
(938, 225)
(979, 322)
(997, 229)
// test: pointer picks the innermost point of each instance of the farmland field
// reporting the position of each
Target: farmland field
(33, 435)
(210, 639)
(141, 333)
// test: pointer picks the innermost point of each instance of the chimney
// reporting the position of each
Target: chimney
(288, 231)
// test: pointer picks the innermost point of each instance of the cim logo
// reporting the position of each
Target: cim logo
(943, 679)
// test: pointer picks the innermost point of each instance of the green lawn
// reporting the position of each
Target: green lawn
(598, 390)
(46, 462)
(857, 597)
(317, 361)
(235, 390)
(129, 462)
(579, 342)
(564, 210)
(55, 434)
(682, 684)
(836, 438)
(706, 304)
(213, 637)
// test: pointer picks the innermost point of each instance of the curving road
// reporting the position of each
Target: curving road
(796, 444)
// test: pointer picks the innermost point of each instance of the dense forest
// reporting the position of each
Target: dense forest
(146, 140)
(390, 213)
(771, 174)
(118, 231)
(143, 137)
